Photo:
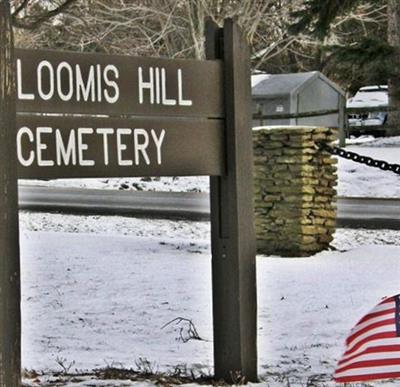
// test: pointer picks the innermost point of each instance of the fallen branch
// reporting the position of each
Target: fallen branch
(190, 333)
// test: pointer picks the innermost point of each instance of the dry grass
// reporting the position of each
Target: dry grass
(179, 376)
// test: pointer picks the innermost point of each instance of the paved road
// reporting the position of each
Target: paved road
(370, 213)
(352, 212)
(96, 201)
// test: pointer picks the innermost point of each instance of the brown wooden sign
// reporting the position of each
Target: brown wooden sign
(64, 147)
(93, 115)
(65, 82)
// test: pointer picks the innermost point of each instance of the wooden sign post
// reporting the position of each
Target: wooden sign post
(232, 222)
(91, 115)
(10, 315)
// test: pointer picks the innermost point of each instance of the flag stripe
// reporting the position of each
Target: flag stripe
(376, 344)
(374, 314)
(371, 321)
(370, 363)
(386, 300)
(365, 378)
(363, 332)
(368, 357)
(373, 345)
(382, 307)
(379, 333)
(369, 371)
(372, 352)
(377, 314)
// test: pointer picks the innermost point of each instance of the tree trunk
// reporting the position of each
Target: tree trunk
(394, 80)
(10, 316)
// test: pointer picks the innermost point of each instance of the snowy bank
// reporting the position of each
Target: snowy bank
(92, 298)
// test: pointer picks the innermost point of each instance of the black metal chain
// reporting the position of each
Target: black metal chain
(381, 164)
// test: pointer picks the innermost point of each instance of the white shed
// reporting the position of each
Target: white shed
(297, 93)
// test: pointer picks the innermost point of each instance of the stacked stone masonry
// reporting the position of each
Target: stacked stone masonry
(294, 190)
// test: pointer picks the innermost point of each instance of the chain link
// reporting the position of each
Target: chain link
(381, 164)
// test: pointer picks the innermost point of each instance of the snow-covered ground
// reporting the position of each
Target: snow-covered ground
(360, 180)
(353, 179)
(98, 290)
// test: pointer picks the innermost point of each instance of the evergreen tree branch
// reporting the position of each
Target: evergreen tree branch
(318, 15)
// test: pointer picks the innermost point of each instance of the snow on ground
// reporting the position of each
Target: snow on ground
(85, 381)
(360, 180)
(173, 184)
(354, 179)
(98, 290)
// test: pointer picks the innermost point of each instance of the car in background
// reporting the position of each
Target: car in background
(368, 96)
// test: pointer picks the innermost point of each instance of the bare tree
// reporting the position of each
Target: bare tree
(173, 28)
(28, 14)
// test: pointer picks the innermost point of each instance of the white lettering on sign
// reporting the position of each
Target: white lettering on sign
(111, 83)
(66, 155)
(42, 146)
(26, 162)
(40, 79)
(105, 132)
(146, 85)
(20, 93)
(181, 101)
(158, 142)
(141, 147)
(69, 83)
(70, 78)
(82, 147)
(164, 100)
(85, 89)
(122, 147)
(126, 146)
(155, 82)
(158, 100)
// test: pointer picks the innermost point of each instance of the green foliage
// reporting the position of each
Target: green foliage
(353, 48)
(367, 50)
(317, 16)
(368, 61)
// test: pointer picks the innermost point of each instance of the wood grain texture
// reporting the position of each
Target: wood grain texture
(232, 219)
(65, 77)
(188, 147)
(10, 320)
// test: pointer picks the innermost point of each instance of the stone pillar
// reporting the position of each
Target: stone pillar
(294, 192)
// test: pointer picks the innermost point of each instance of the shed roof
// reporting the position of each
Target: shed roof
(287, 84)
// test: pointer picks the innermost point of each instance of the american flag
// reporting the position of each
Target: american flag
(373, 346)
